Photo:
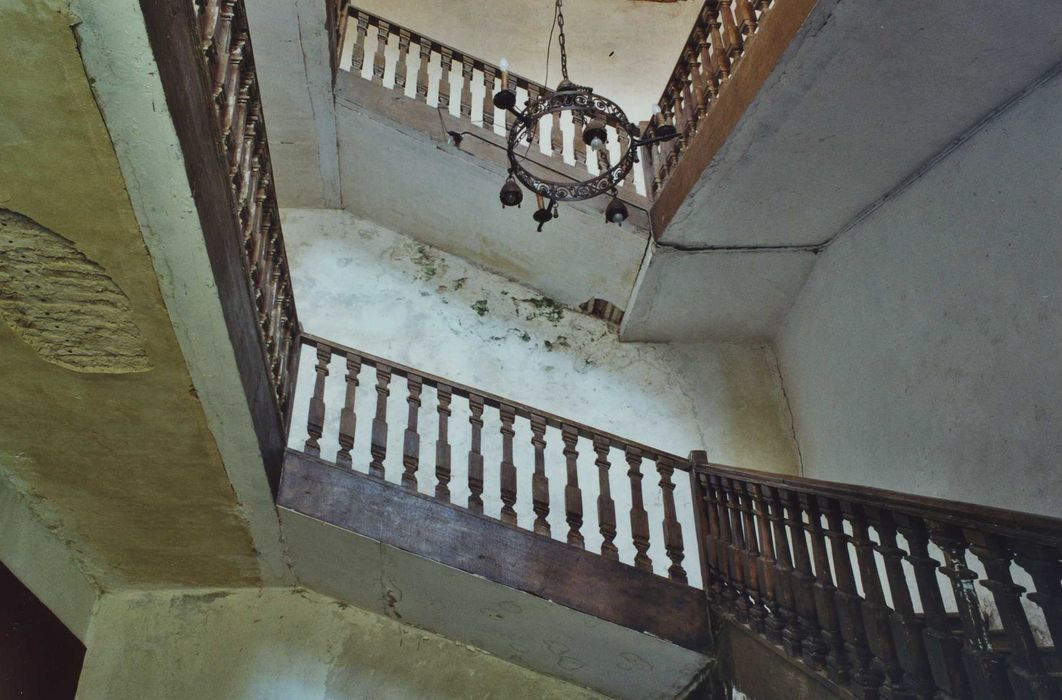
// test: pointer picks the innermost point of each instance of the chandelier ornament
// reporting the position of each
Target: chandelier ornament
(595, 113)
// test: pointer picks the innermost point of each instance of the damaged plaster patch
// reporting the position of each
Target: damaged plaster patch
(64, 305)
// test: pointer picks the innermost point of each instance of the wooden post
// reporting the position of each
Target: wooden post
(475, 455)
(606, 507)
(573, 496)
(539, 481)
(315, 419)
(411, 438)
(673, 544)
(508, 469)
(347, 417)
(378, 447)
(639, 518)
(442, 444)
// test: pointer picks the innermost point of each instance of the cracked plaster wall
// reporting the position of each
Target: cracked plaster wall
(125, 463)
(368, 287)
(260, 644)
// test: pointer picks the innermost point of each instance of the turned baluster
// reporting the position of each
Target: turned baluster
(696, 102)
(720, 55)
(751, 554)
(849, 604)
(705, 527)
(378, 446)
(709, 74)
(508, 469)
(539, 481)
(446, 60)
(792, 631)
(911, 648)
(536, 135)
(976, 645)
(488, 97)
(556, 136)
(769, 575)
(466, 87)
(219, 56)
(726, 592)
(639, 518)
(736, 545)
(411, 438)
(347, 417)
(358, 54)
(401, 68)
(813, 646)
(573, 496)
(649, 170)
(207, 16)
(606, 507)
(1027, 673)
(687, 107)
(315, 419)
(875, 614)
(475, 455)
(746, 17)
(233, 138)
(837, 664)
(422, 69)
(731, 36)
(704, 501)
(943, 646)
(578, 146)
(442, 444)
(1043, 566)
(673, 544)
(230, 86)
(379, 59)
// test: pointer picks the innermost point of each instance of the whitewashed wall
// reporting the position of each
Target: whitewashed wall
(368, 287)
(283, 644)
(923, 353)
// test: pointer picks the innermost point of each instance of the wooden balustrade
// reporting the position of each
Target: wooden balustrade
(227, 62)
(709, 58)
(509, 471)
(880, 591)
(444, 74)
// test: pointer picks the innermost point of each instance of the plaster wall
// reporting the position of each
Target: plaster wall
(126, 462)
(922, 354)
(363, 285)
(259, 644)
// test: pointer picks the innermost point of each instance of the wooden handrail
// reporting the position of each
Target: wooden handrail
(553, 142)
(544, 427)
(521, 410)
(830, 573)
(705, 64)
(226, 59)
(1038, 528)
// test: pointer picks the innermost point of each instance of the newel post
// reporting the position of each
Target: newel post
(698, 492)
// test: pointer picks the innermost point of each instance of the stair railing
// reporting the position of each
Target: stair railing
(878, 590)
(434, 74)
(227, 62)
(510, 417)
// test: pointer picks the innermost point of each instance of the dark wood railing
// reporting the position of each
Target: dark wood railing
(390, 52)
(227, 62)
(847, 581)
(709, 58)
(543, 425)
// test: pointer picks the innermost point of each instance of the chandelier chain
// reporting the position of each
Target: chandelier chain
(560, 39)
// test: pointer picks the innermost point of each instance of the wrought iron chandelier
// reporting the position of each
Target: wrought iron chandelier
(595, 113)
